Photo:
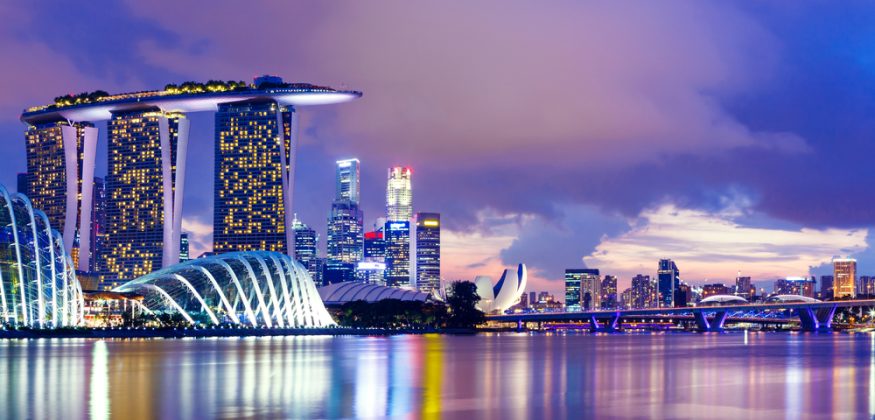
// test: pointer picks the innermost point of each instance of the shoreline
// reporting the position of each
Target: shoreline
(217, 332)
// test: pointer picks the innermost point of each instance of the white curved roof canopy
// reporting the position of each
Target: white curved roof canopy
(722, 300)
(792, 298)
(340, 293)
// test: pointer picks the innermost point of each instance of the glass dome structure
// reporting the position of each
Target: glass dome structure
(38, 285)
(257, 288)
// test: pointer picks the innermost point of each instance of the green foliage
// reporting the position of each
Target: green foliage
(81, 98)
(462, 300)
(392, 314)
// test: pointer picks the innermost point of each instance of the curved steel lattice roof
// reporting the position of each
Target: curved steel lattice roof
(258, 288)
(340, 293)
(38, 286)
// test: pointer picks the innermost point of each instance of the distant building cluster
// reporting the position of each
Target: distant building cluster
(403, 250)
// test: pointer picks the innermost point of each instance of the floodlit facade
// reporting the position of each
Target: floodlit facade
(399, 194)
(256, 288)
(504, 294)
(844, 277)
(38, 286)
(147, 149)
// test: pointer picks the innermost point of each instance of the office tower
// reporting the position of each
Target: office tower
(22, 183)
(645, 293)
(867, 286)
(668, 278)
(399, 195)
(306, 246)
(254, 155)
(347, 180)
(57, 167)
(533, 298)
(184, 254)
(844, 273)
(397, 235)
(742, 286)
(683, 295)
(372, 267)
(318, 272)
(145, 185)
(609, 292)
(98, 225)
(581, 291)
(428, 251)
(344, 240)
(826, 287)
(714, 289)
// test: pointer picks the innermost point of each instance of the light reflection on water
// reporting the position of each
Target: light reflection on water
(504, 376)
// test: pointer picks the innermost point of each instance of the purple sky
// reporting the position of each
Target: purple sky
(729, 136)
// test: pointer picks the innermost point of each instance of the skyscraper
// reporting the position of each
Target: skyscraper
(184, 254)
(581, 289)
(56, 169)
(306, 245)
(372, 268)
(144, 209)
(669, 277)
(98, 225)
(399, 194)
(867, 286)
(347, 180)
(397, 253)
(644, 293)
(845, 275)
(609, 292)
(742, 286)
(428, 251)
(254, 158)
(344, 240)
(826, 287)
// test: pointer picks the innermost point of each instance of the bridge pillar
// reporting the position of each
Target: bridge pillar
(611, 324)
(817, 320)
(715, 324)
(519, 325)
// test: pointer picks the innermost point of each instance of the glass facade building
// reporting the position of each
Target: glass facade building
(428, 251)
(306, 246)
(38, 285)
(581, 290)
(668, 278)
(397, 253)
(347, 180)
(253, 164)
(844, 277)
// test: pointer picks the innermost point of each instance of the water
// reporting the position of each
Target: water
(502, 376)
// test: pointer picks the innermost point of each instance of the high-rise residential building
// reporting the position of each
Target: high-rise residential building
(428, 251)
(742, 286)
(645, 293)
(867, 286)
(582, 289)
(56, 169)
(668, 277)
(399, 194)
(144, 207)
(253, 179)
(800, 286)
(609, 292)
(306, 246)
(347, 180)
(22, 183)
(344, 241)
(845, 276)
(826, 287)
(184, 253)
(397, 235)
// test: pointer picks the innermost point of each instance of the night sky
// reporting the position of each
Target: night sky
(728, 136)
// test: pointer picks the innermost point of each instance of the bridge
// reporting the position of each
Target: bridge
(813, 316)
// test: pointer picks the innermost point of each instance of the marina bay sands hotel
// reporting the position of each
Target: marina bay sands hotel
(148, 133)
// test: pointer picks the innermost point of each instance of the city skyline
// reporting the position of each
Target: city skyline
(762, 179)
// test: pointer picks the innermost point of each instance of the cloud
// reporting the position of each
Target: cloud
(200, 236)
(714, 246)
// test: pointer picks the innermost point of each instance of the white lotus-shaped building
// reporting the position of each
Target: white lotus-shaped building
(505, 293)
(257, 288)
(38, 286)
